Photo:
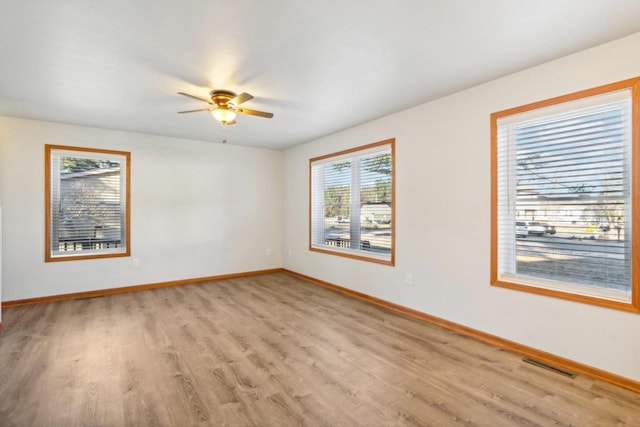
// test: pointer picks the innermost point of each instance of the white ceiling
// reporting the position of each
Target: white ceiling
(319, 65)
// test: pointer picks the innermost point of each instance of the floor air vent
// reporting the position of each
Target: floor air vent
(548, 367)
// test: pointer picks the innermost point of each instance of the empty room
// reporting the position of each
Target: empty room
(323, 213)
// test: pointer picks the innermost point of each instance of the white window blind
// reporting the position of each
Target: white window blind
(564, 197)
(352, 202)
(87, 203)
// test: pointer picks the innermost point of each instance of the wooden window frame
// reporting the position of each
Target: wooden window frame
(634, 304)
(49, 257)
(357, 253)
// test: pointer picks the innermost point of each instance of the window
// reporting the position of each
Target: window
(86, 203)
(564, 214)
(352, 203)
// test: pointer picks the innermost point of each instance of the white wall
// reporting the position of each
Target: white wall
(1, 258)
(198, 209)
(443, 217)
(202, 209)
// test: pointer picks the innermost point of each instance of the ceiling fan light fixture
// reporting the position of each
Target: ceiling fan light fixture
(223, 114)
(224, 106)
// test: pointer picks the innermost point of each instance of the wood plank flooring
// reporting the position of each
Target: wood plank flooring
(272, 350)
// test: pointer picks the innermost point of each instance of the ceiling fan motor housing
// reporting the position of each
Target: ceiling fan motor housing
(221, 97)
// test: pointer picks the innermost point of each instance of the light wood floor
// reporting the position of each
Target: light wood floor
(272, 350)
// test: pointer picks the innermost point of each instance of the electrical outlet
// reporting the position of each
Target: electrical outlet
(136, 262)
(269, 251)
(288, 252)
(408, 278)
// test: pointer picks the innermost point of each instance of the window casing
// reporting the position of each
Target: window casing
(86, 203)
(565, 196)
(352, 195)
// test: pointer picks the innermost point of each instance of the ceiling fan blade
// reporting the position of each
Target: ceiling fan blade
(193, 111)
(255, 112)
(239, 99)
(196, 97)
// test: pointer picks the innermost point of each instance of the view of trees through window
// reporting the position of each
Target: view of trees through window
(353, 202)
(374, 202)
(563, 188)
(572, 199)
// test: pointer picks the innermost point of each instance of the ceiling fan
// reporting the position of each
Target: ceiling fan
(224, 105)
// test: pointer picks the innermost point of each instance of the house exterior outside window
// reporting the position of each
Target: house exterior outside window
(86, 203)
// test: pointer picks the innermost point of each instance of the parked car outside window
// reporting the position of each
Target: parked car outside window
(521, 229)
(548, 228)
(535, 228)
